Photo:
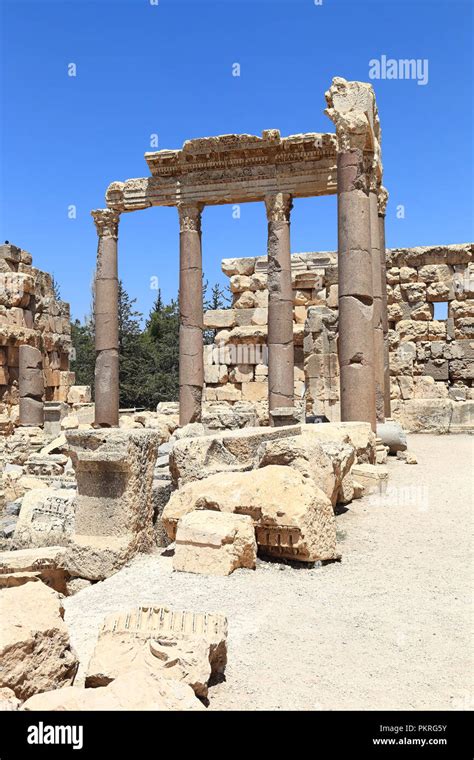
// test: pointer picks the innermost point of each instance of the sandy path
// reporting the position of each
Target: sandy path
(386, 628)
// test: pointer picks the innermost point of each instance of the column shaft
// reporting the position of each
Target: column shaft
(356, 341)
(106, 392)
(378, 308)
(382, 202)
(280, 303)
(31, 386)
(191, 360)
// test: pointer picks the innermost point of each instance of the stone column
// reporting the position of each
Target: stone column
(352, 108)
(378, 303)
(280, 303)
(191, 361)
(31, 386)
(382, 199)
(356, 333)
(106, 320)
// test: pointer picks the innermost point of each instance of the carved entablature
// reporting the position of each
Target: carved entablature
(243, 168)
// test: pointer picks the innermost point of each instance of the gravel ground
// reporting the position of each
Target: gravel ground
(388, 627)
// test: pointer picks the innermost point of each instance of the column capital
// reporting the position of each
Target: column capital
(382, 199)
(106, 221)
(189, 216)
(278, 206)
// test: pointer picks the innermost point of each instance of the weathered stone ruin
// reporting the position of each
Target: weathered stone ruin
(30, 317)
(288, 417)
(431, 361)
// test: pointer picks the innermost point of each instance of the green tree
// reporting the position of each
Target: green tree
(218, 299)
(56, 289)
(83, 357)
(160, 342)
(131, 355)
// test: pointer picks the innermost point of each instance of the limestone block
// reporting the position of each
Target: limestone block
(461, 309)
(44, 564)
(261, 371)
(461, 369)
(46, 517)
(371, 476)
(393, 276)
(327, 463)
(407, 386)
(437, 369)
(142, 636)
(254, 391)
(8, 701)
(249, 334)
(430, 415)
(408, 274)
(410, 330)
(134, 690)
(211, 373)
(292, 516)
(258, 281)
(423, 311)
(332, 299)
(435, 273)
(219, 318)
(228, 451)
(301, 297)
(464, 328)
(223, 416)
(232, 267)
(242, 373)
(462, 420)
(239, 283)
(427, 387)
(413, 292)
(299, 314)
(79, 394)
(114, 509)
(440, 291)
(246, 300)
(35, 651)
(228, 393)
(357, 434)
(214, 543)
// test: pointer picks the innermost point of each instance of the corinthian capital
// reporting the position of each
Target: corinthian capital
(190, 216)
(278, 207)
(106, 222)
(382, 199)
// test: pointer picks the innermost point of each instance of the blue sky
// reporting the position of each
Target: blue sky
(166, 69)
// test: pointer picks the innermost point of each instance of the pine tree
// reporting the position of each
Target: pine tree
(56, 289)
(131, 354)
(83, 360)
(218, 299)
(160, 341)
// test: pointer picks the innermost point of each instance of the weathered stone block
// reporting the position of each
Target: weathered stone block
(114, 511)
(35, 651)
(293, 518)
(214, 543)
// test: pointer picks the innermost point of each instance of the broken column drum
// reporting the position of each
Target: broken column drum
(31, 386)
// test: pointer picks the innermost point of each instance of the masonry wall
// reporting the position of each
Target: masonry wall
(30, 314)
(430, 359)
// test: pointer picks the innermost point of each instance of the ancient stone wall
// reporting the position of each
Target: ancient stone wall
(30, 315)
(430, 359)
